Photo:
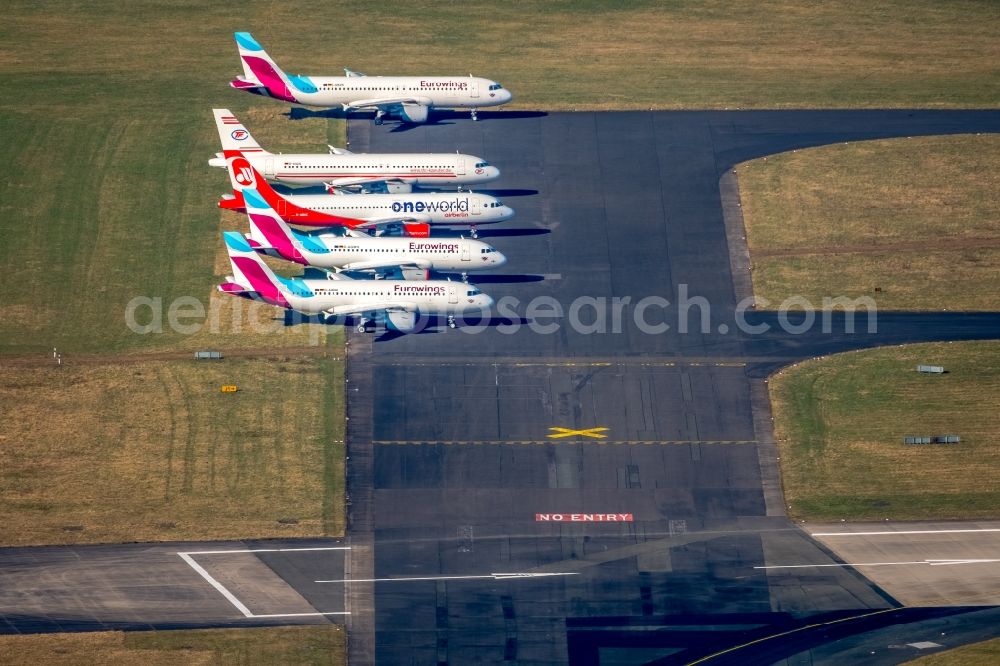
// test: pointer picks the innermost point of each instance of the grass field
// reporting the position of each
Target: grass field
(915, 218)
(840, 421)
(323, 644)
(986, 653)
(154, 450)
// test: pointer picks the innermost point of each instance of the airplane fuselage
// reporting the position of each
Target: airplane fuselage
(441, 92)
(435, 208)
(428, 170)
(431, 297)
(365, 253)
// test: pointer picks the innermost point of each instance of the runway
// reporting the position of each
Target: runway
(471, 440)
(604, 488)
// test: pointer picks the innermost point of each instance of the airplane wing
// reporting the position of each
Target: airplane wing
(371, 307)
(357, 180)
(385, 263)
(385, 101)
(395, 219)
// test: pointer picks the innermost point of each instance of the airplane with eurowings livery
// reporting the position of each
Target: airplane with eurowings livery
(360, 252)
(400, 303)
(342, 169)
(410, 98)
(414, 213)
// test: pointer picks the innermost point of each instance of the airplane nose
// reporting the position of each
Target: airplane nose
(506, 213)
(492, 173)
(499, 259)
(508, 96)
(487, 301)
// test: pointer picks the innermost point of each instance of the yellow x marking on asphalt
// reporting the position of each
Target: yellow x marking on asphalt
(559, 433)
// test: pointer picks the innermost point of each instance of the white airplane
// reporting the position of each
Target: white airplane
(341, 168)
(408, 97)
(399, 302)
(360, 252)
(415, 212)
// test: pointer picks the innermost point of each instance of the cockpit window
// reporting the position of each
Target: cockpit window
(482, 165)
(496, 86)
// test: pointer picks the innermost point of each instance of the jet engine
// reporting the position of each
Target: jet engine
(414, 113)
(401, 321)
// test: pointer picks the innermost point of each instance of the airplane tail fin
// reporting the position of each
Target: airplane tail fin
(261, 75)
(232, 133)
(251, 276)
(268, 231)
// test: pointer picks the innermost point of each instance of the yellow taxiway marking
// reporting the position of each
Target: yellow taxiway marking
(559, 433)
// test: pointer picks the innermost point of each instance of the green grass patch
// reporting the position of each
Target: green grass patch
(322, 644)
(840, 422)
(909, 222)
(154, 450)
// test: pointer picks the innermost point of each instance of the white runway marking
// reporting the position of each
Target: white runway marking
(965, 531)
(494, 576)
(933, 563)
(231, 598)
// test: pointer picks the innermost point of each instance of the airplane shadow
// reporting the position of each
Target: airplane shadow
(490, 279)
(436, 117)
(437, 325)
(508, 193)
(504, 233)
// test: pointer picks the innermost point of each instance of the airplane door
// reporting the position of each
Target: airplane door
(476, 210)
(461, 165)
(474, 87)
(465, 253)
(282, 207)
(269, 168)
(452, 293)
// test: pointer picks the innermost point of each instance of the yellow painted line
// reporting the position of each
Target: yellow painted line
(786, 633)
(559, 433)
(619, 442)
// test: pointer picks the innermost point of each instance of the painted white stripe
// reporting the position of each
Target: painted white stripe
(217, 585)
(301, 614)
(967, 531)
(261, 550)
(494, 576)
(933, 563)
(232, 597)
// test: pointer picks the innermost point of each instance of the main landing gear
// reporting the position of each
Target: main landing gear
(378, 116)
(363, 325)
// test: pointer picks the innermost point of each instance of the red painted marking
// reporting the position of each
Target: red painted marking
(583, 518)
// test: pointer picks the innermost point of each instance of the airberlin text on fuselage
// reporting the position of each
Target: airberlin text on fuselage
(583, 517)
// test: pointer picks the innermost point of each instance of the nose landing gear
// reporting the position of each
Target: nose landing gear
(451, 321)
(475, 114)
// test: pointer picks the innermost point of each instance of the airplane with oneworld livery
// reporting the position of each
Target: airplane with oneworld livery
(341, 169)
(399, 303)
(413, 214)
(409, 98)
(354, 251)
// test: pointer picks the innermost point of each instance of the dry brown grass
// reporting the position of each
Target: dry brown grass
(873, 195)
(323, 644)
(154, 450)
